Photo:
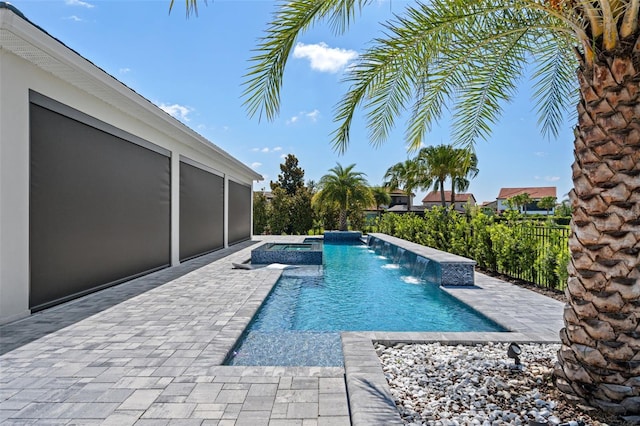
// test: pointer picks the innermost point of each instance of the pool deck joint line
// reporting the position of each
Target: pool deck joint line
(150, 352)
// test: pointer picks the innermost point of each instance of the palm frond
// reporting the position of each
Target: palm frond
(492, 81)
(264, 79)
(555, 87)
(468, 56)
(191, 6)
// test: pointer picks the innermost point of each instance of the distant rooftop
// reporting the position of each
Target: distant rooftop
(434, 197)
(534, 192)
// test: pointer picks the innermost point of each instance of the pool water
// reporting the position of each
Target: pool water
(355, 290)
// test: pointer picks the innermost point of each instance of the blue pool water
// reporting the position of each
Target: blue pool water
(355, 290)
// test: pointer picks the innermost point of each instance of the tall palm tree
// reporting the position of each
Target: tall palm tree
(471, 56)
(464, 170)
(381, 197)
(345, 188)
(405, 175)
(441, 162)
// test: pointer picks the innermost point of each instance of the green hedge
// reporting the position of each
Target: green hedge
(533, 251)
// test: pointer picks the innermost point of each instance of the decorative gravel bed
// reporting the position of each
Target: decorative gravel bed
(435, 384)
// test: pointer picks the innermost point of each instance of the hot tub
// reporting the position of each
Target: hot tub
(307, 253)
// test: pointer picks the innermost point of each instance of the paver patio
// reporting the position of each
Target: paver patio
(150, 352)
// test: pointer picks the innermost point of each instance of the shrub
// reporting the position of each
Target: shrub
(513, 246)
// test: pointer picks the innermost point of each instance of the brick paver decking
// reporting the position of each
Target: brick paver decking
(149, 351)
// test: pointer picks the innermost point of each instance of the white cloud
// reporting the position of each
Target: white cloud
(177, 111)
(324, 58)
(124, 70)
(79, 3)
(548, 178)
(313, 116)
(283, 156)
(267, 150)
(540, 154)
(255, 165)
(74, 18)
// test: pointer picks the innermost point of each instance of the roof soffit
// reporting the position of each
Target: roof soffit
(31, 43)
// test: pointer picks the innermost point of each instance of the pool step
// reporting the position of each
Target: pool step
(290, 348)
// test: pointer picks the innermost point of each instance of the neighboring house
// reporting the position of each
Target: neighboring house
(268, 195)
(535, 193)
(402, 208)
(398, 204)
(434, 198)
(99, 185)
(399, 198)
(489, 206)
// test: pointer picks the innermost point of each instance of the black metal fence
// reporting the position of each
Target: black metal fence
(546, 264)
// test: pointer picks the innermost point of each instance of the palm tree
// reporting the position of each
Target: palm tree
(345, 188)
(520, 201)
(381, 197)
(405, 175)
(547, 203)
(440, 162)
(465, 169)
(470, 56)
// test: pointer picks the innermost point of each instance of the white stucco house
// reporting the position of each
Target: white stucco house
(97, 184)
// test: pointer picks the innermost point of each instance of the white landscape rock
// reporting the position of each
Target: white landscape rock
(436, 384)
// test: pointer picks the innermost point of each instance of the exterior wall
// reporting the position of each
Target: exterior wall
(458, 206)
(531, 208)
(14, 189)
(398, 200)
(125, 110)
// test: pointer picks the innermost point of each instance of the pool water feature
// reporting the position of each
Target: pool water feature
(356, 289)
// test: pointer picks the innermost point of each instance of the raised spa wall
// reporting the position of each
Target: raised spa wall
(277, 253)
(432, 265)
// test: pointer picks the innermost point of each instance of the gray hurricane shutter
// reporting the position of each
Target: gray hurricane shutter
(239, 212)
(201, 211)
(100, 206)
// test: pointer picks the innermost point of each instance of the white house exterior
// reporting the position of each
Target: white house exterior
(536, 193)
(56, 104)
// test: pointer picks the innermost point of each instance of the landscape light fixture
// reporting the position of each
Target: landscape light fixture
(514, 352)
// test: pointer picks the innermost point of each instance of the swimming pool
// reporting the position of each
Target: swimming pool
(354, 290)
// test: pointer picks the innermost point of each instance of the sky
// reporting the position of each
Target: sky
(194, 69)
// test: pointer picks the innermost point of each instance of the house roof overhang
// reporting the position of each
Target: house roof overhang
(23, 38)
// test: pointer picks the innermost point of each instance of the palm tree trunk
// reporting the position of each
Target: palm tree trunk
(442, 197)
(453, 195)
(343, 220)
(599, 360)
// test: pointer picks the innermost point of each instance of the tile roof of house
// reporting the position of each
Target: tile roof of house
(534, 192)
(434, 197)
